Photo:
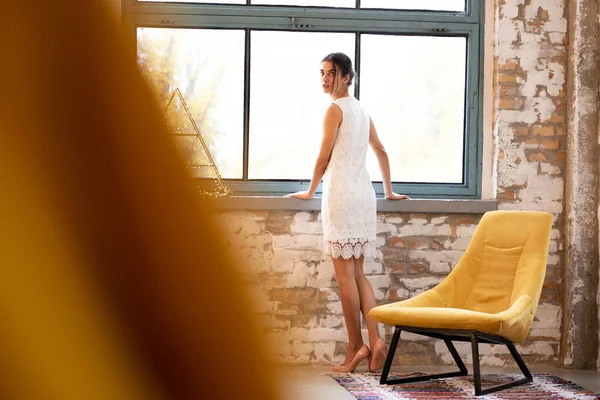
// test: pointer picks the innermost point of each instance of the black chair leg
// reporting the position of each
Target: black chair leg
(476, 366)
(390, 356)
(448, 336)
(477, 373)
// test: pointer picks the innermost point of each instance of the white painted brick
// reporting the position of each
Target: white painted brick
(308, 241)
(555, 234)
(379, 281)
(414, 230)
(379, 294)
(324, 351)
(492, 361)
(439, 267)
(542, 188)
(302, 347)
(330, 294)
(295, 280)
(558, 25)
(326, 267)
(553, 207)
(418, 221)
(302, 359)
(394, 220)
(380, 241)
(413, 337)
(402, 293)
(320, 281)
(451, 256)
(438, 220)
(332, 321)
(553, 247)
(547, 321)
(553, 259)
(279, 323)
(302, 268)
(302, 216)
(550, 169)
(320, 334)
(257, 240)
(283, 241)
(335, 307)
(295, 254)
(557, 37)
(539, 348)
(465, 231)
(421, 283)
(510, 11)
(285, 267)
(313, 227)
(460, 243)
(372, 268)
(386, 228)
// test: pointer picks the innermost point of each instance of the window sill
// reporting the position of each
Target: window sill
(436, 206)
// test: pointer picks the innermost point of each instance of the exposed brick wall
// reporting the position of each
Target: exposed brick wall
(298, 297)
(530, 65)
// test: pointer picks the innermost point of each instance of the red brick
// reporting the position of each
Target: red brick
(510, 104)
(464, 221)
(507, 195)
(414, 269)
(543, 130)
(504, 78)
(509, 64)
(395, 268)
(550, 144)
(305, 294)
(537, 157)
(398, 242)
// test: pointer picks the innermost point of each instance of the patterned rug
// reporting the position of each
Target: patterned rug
(365, 386)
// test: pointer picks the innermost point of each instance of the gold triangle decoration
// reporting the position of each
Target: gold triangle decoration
(191, 144)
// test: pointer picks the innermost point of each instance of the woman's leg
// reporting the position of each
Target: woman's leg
(344, 271)
(367, 300)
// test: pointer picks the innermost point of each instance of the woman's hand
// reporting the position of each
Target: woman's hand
(304, 195)
(396, 196)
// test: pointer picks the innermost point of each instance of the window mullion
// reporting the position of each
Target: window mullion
(357, 66)
(247, 45)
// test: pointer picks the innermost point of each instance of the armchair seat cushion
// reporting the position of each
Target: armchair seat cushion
(503, 323)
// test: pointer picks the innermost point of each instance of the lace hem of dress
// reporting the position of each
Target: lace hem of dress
(348, 248)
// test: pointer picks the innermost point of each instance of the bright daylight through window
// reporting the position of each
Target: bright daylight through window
(249, 72)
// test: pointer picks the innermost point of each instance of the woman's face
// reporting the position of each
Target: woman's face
(331, 81)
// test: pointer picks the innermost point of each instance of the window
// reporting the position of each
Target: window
(249, 71)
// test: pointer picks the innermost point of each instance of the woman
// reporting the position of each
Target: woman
(349, 208)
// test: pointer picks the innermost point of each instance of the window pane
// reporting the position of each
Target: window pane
(195, 1)
(431, 5)
(414, 89)
(321, 3)
(287, 103)
(208, 67)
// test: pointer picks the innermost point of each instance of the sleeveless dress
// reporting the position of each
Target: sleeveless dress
(348, 207)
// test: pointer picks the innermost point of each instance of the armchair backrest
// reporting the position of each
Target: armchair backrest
(505, 260)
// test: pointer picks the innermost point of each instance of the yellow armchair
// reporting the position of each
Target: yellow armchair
(491, 296)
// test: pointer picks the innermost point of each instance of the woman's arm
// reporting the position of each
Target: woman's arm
(384, 164)
(333, 120)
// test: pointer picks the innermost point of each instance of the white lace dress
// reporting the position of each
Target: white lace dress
(348, 208)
